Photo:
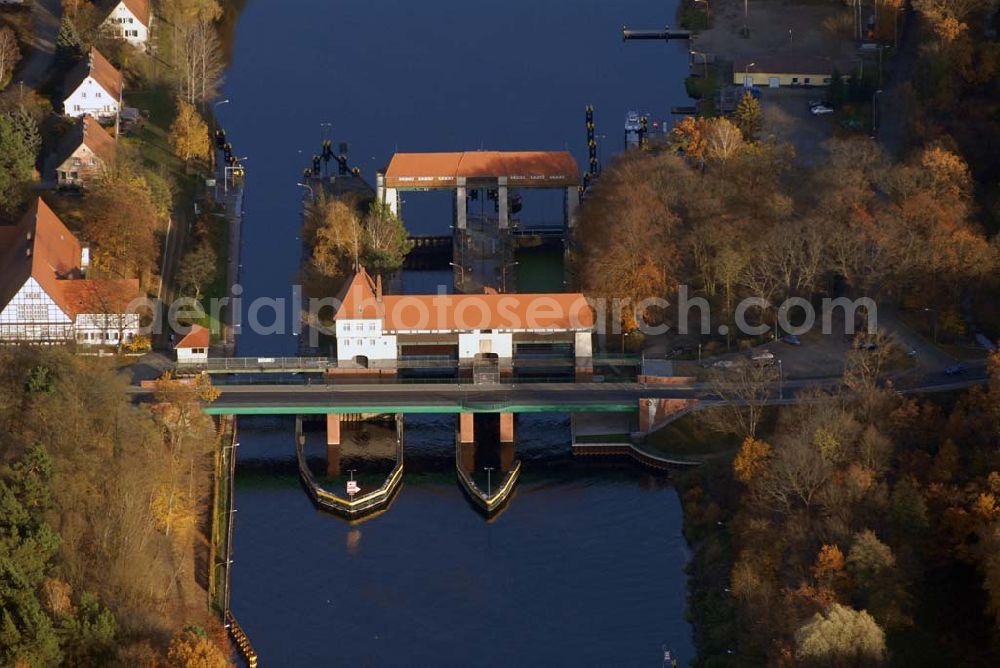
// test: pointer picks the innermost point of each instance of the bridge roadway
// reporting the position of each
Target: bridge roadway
(514, 397)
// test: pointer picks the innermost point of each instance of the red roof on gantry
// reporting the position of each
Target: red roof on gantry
(525, 169)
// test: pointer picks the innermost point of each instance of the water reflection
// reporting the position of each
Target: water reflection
(584, 567)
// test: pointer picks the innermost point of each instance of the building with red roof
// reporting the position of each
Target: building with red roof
(193, 348)
(44, 294)
(375, 330)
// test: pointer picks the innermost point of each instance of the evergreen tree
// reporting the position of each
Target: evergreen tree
(27, 547)
(69, 47)
(19, 144)
(748, 116)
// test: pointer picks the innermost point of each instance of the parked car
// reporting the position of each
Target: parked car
(764, 358)
(867, 345)
(792, 340)
(724, 364)
(954, 370)
(815, 103)
(911, 353)
(821, 109)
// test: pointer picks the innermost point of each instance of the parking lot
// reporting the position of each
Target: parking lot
(787, 119)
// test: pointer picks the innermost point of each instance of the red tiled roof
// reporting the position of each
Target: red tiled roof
(98, 295)
(90, 133)
(466, 312)
(139, 8)
(97, 66)
(539, 169)
(41, 247)
(198, 337)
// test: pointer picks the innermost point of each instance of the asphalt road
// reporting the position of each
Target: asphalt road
(37, 67)
(486, 398)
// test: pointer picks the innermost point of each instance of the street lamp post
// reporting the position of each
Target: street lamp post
(935, 330)
(704, 59)
(781, 381)
(489, 480)
(875, 118)
(747, 83)
(503, 278)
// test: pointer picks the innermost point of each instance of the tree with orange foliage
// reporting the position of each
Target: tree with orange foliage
(193, 648)
(830, 568)
(751, 460)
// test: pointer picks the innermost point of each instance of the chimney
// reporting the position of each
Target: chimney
(378, 288)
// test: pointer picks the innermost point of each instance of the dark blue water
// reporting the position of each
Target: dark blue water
(586, 565)
(439, 75)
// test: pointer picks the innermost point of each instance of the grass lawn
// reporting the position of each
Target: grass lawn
(691, 437)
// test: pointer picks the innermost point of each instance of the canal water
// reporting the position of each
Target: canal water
(586, 565)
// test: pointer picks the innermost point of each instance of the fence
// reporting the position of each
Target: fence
(632, 452)
(488, 503)
(362, 505)
(242, 641)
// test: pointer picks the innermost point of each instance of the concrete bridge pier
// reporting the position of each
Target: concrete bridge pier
(332, 444)
(466, 429)
(332, 460)
(333, 429)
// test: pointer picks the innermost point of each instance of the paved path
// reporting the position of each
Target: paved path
(892, 103)
(38, 66)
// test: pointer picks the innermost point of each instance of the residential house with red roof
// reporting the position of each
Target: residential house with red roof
(130, 20)
(83, 153)
(44, 294)
(376, 331)
(93, 87)
(193, 348)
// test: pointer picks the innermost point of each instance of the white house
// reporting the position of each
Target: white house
(44, 296)
(93, 87)
(130, 20)
(375, 331)
(193, 348)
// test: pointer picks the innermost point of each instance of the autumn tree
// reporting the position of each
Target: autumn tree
(386, 241)
(10, 54)
(748, 116)
(841, 636)
(724, 139)
(121, 222)
(751, 460)
(194, 648)
(197, 268)
(189, 133)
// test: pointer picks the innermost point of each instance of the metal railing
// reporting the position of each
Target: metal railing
(488, 503)
(364, 504)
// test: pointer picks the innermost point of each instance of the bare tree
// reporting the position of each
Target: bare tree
(743, 390)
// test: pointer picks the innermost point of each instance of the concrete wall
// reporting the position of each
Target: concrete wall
(499, 343)
(364, 338)
(583, 344)
(192, 355)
